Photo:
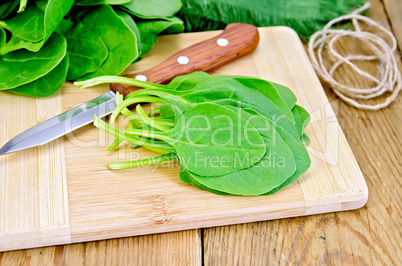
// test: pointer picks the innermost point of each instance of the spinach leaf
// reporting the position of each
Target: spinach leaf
(133, 26)
(100, 2)
(210, 140)
(286, 94)
(304, 139)
(86, 54)
(201, 87)
(305, 17)
(64, 26)
(301, 156)
(149, 30)
(21, 67)
(186, 177)
(304, 115)
(32, 28)
(298, 122)
(269, 91)
(46, 85)
(152, 9)
(27, 25)
(119, 39)
(275, 167)
(305, 120)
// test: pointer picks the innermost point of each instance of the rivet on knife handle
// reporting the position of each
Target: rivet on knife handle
(235, 41)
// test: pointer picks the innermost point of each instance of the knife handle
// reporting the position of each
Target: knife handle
(237, 40)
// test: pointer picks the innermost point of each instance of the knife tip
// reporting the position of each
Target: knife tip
(5, 149)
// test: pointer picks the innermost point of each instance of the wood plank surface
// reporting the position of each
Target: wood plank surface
(371, 235)
(177, 248)
(393, 9)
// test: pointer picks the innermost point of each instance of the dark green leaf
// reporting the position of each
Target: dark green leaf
(7, 8)
(305, 17)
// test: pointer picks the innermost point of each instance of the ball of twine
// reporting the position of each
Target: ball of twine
(389, 77)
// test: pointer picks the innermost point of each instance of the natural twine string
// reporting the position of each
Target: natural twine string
(390, 77)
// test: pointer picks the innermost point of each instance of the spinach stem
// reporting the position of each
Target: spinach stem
(155, 111)
(116, 79)
(147, 134)
(143, 162)
(147, 120)
(132, 101)
(159, 147)
(115, 144)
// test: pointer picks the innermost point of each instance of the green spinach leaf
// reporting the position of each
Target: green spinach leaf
(286, 94)
(100, 2)
(153, 9)
(46, 85)
(275, 167)
(298, 122)
(32, 28)
(201, 87)
(210, 140)
(304, 115)
(86, 54)
(119, 39)
(149, 30)
(21, 67)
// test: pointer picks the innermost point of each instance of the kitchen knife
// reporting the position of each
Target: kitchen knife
(234, 42)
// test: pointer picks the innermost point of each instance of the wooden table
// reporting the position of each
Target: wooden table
(371, 235)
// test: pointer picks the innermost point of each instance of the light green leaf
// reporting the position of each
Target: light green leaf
(86, 54)
(149, 30)
(21, 67)
(152, 9)
(100, 2)
(119, 39)
(275, 167)
(33, 27)
(46, 85)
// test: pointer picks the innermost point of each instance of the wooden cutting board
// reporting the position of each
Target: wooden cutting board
(63, 192)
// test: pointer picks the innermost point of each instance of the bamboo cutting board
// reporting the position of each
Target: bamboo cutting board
(63, 192)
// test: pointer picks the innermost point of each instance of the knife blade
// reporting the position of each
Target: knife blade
(235, 41)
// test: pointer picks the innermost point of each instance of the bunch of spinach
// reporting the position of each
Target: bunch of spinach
(45, 42)
(231, 134)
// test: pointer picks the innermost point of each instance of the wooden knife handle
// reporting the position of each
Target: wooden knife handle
(235, 41)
